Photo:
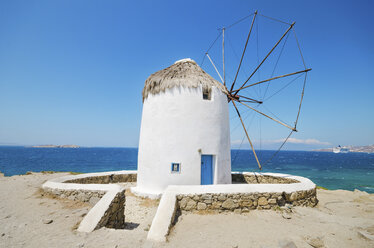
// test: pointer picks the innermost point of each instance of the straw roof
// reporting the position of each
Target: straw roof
(184, 73)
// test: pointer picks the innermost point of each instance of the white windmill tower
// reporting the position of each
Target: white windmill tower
(185, 133)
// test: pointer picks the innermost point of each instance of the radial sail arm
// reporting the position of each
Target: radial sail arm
(271, 118)
(246, 133)
(270, 79)
(285, 33)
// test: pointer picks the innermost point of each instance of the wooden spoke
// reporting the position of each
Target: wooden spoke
(270, 79)
(292, 128)
(214, 67)
(246, 133)
(250, 99)
(289, 28)
(245, 47)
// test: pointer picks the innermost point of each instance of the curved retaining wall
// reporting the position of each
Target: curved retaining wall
(96, 188)
(248, 191)
(232, 197)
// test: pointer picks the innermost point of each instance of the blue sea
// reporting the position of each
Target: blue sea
(333, 171)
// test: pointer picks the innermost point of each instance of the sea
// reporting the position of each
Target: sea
(347, 171)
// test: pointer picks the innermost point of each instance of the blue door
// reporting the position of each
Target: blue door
(206, 169)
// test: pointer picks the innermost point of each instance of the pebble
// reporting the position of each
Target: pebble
(286, 244)
(47, 221)
(315, 242)
(286, 216)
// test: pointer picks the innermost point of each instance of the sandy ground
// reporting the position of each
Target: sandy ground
(342, 219)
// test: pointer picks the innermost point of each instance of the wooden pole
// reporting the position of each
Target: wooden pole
(289, 28)
(223, 56)
(246, 133)
(270, 79)
(214, 67)
(301, 101)
(245, 47)
(251, 99)
(292, 128)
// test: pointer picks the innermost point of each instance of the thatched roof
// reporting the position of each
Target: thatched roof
(184, 73)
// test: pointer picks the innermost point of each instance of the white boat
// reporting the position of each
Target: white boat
(340, 149)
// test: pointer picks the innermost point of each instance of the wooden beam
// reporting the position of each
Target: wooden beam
(214, 67)
(246, 133)
(223, 56)
(292, 128)
(289, 28)
(248, 98)
(270, 79)
(245, 47)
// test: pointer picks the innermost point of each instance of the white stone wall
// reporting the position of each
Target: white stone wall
(178, 126)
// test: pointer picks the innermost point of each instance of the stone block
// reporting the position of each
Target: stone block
(262, 201)
(229, 204)
(221, 197)
(201, 206)
(191, 204)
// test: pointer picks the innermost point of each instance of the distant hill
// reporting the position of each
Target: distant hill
(56, 146)
(366, 149)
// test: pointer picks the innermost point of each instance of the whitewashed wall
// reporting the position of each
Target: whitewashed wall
(178, 126)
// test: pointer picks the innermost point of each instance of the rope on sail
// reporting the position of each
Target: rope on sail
(211, 45)
(233, 24)
(274, 19)
(275, 154)
(276, 64)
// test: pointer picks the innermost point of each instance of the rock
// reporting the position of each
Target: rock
(237, 211)
(262, 201)
(221, 197)
(82, 197)
(47, 221)
(216, 205)
(286, 244)
(183, 202)
(286, 216)
(366, 235)
(246, 203)
(293, 196)
(316, 242)
(201, 206)
(207, 197)
(3, 234)
(229, 204)
(191, 204)
(272, 201)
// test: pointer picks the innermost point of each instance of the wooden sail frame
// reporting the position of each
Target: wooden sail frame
(234, 96)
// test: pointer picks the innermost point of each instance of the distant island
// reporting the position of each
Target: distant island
(56, 146)
(365, 149)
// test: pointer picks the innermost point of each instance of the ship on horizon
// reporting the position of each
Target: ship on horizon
(340, 149)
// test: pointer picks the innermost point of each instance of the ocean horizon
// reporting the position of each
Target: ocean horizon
(346, 171)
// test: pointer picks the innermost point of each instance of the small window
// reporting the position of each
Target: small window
(175, 167)
(207, 95)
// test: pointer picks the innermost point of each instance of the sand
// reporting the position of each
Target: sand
(29, 218)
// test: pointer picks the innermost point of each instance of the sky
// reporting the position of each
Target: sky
(72, 72)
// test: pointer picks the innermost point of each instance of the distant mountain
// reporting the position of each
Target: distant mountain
(366, 149)
(56, 146)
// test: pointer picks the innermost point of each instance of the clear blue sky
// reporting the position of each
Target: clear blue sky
(72, 72)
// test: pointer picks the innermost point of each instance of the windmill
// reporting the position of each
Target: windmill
(185, 127)
(235, 89)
